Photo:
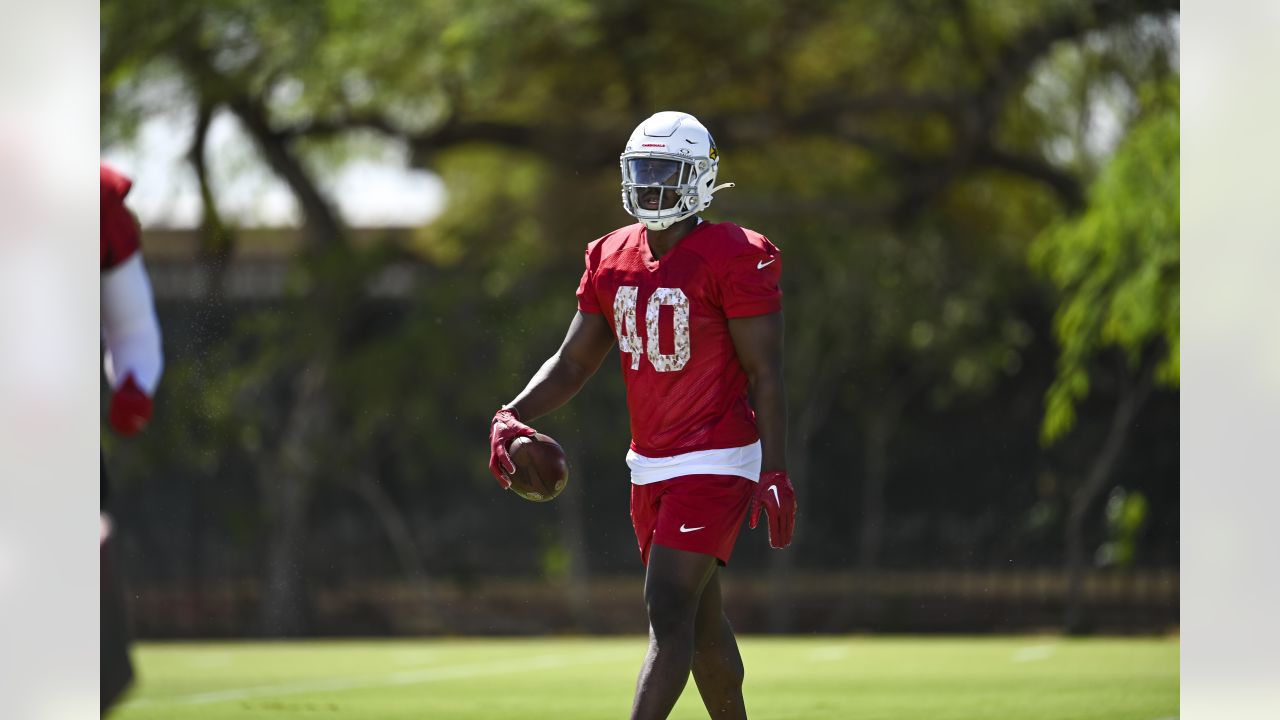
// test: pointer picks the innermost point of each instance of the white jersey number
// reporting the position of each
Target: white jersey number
(628, 331)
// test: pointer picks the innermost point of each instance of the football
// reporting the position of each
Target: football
(541, 470)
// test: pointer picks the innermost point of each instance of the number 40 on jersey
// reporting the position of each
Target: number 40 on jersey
(631, 341)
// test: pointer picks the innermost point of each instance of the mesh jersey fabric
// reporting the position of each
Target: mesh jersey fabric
(686, 390)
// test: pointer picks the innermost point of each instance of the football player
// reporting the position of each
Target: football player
(132, 362)
(696, 311)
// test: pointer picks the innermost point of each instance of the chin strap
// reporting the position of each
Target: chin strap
(664, 224)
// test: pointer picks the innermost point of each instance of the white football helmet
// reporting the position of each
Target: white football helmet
(669, 170)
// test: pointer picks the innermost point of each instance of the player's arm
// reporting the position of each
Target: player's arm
(563, 374)
(758, 342)
(559, 379)
(134, 360)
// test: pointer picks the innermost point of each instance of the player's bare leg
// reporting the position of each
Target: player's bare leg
(673, 587)
(717, 664)
(115, 671)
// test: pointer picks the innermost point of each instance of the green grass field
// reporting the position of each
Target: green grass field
(836, 677)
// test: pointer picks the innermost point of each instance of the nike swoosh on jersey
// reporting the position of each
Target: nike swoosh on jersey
(689, 529)
(762, 264)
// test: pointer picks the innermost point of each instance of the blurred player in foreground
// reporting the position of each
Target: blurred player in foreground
(132, 363)
(697, 313)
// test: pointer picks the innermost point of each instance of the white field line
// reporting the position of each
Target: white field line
(403, 677)
(1034, 653)
(830, 654)
(210, 660)
(415, 657)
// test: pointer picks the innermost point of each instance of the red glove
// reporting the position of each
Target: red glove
(130, 408)
(505, 428)
(777, 498)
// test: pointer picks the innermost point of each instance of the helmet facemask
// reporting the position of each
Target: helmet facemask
(660, 190)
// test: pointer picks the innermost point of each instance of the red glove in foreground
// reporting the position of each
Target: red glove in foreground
(505, 428)
(776, 497)
(130, 408)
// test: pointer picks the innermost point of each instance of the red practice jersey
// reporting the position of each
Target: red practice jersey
(686, 390)
(119, 229)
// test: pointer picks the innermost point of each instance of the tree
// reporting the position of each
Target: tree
(1116, 267)
(890, 149)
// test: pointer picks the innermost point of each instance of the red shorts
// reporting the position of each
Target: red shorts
(697, 513)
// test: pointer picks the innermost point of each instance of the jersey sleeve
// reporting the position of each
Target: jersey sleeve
(130, 329)
(119, 228)
(749, 282)
(587, 300)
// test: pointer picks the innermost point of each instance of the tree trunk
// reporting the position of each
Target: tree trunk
(322, 228)
(216, 244)
(881, 425)
(878, 432)
(290, 476)
(816, 410)
(573, 535)
(399, 535)
(286, 484)
(216, 239)
(283, 610)
(1132, 398)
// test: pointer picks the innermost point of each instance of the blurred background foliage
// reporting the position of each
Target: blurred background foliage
(977, 202)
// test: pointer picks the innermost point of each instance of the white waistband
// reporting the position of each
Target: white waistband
(744, 461)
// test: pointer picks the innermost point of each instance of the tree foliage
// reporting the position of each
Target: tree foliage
(1117, 263)
(903, 155)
